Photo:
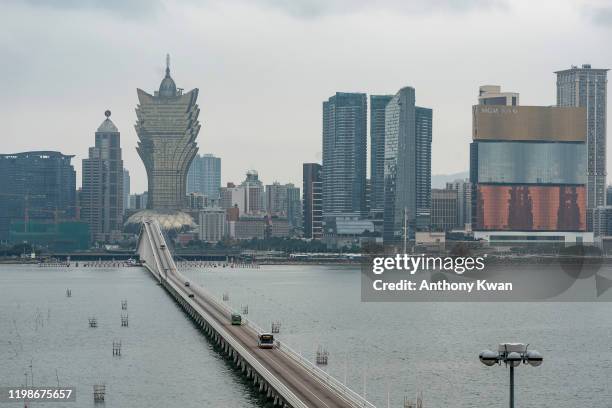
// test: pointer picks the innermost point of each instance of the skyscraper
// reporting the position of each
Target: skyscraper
(587, 87)
(294, 206)
(276, 199)
(167, 127)
(443, 209)
(102, 184)
(378, 103)
(528, 171)
(126, 190)
(344, 155)
(408, 134)
(204, 176)
(283, 200)
(233, 196)
(464, 202)
(253, 193)
(36, 186)
(312, 200)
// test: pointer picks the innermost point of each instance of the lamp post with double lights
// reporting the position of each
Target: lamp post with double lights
(512, 355)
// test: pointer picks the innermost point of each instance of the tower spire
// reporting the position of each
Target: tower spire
(167, 86)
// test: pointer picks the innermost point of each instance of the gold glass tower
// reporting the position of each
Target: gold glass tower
(167, 127)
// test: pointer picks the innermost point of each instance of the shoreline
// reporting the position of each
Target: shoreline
(491, 260)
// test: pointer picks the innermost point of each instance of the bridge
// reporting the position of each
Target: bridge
(285, 377)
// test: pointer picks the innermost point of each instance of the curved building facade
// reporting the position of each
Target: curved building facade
(167, 127)
(408, 135)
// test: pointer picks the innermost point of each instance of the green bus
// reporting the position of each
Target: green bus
(236, 319)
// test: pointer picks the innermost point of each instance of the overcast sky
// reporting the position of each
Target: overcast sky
(264, 67)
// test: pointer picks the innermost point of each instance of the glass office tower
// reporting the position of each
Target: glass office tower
(204, 176)
(408, 135)
(36, 186)
(344, 155)
(102, 182)
(378, 103)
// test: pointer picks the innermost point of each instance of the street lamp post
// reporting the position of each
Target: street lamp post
(512, 355)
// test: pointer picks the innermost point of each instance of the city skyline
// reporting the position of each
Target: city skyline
(219, 70)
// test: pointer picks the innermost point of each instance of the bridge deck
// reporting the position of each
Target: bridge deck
(308, 387)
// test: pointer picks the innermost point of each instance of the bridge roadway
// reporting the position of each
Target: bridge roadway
(310, 389)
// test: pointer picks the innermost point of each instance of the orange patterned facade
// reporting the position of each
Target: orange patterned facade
(530, 208)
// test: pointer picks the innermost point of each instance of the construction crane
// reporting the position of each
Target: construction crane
(26, 205)
(26, 208)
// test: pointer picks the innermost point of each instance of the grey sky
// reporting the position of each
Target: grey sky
(264, 67)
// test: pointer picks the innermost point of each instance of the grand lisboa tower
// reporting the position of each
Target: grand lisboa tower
(167, 126)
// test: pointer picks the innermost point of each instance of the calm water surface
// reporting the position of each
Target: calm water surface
(385, 349)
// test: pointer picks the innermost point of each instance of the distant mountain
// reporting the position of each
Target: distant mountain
(440, 180)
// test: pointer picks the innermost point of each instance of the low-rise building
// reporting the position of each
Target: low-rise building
(248, 228)
(278, 227)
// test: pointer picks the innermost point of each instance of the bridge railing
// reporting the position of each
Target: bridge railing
(148, 233)
(341, 389)
(246, 355)
(331, 382)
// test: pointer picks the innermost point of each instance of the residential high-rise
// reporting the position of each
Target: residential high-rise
(212, 225)
(443, 209)
(36, 186)
(253, 193)
(408, 135)
(283, 200)
(344, 155)
(602, 221)
(464, 202)
(294, 206)
(233, 196)
(102, 184)
(276, 199)
(528, 171)
(167, 127)
(138, 201)
(204, 176)
(126, 190)
(312, 200)
(378, 103)
(587, 87)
